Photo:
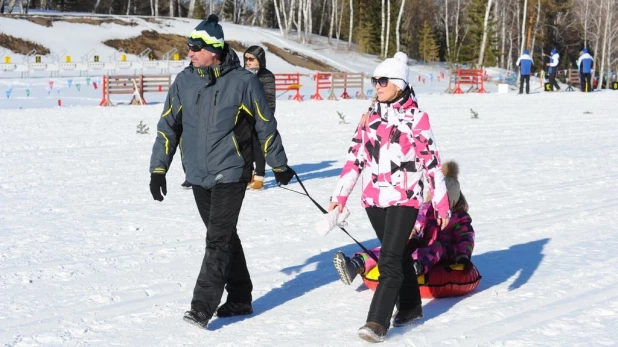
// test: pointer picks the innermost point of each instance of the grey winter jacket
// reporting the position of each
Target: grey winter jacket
(211, 113)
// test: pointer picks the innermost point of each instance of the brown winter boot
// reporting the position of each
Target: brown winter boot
(257, 183)
(372, 332)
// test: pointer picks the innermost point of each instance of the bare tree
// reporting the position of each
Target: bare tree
(382, 31)
(388, 27)
(598, 33)
(299, 21)
(151, 7)
(171, 8)
(156, 8)
(308, 21)
(338, 34)
(523, 26)
(485, 29)
(277, 14)
(608, 16)
(446, 31)
(333, 19)
(94, 10)
(351, 24)
(403, 3)
(191, 8)
(128, 7)
(322, 16)
(503, 34)
(536, 26)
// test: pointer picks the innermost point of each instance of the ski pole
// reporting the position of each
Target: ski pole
(370, 253)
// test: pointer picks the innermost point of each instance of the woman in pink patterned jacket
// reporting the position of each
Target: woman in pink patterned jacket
(392, 150)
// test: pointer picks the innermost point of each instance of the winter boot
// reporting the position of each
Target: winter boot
(186, 184)
(372, 332)
(407, 316)
(348, 268)
(257, 183)
(230, 309)
(197, 318)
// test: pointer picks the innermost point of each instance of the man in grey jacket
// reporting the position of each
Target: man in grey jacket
(212, 109)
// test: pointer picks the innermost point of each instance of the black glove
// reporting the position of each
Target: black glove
(158, 185)
(283, 175)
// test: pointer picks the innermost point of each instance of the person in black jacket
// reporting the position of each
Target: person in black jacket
(255, 61)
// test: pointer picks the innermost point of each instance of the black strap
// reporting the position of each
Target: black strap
(370, 253)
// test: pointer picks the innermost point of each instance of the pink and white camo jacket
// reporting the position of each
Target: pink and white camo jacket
(392, 151)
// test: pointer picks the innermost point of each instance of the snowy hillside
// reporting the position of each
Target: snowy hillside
(87, 258)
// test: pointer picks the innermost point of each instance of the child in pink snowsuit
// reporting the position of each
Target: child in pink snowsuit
(429, 244)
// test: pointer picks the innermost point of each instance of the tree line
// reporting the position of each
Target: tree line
(472, 32)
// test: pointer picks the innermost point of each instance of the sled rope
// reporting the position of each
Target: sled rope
(370, 253)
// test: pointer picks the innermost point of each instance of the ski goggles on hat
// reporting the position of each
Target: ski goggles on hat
(195, 48)
(383, 81)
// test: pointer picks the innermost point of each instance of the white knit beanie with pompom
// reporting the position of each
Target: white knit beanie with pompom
(396, 67)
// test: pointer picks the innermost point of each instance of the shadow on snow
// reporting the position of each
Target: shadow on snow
(496, 267)
(302, 282)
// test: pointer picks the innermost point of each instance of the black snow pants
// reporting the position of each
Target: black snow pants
(224, 262)
(524, 79)
(393, 226)
(552, 79)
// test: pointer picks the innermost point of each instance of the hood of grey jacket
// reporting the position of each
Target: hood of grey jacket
(210, 113)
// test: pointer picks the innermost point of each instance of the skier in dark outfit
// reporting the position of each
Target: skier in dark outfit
(216, 106)
(255, 61)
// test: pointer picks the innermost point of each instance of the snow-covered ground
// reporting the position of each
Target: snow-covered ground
(87, 258)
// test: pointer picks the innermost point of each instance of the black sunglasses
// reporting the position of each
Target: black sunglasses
(250, 58)
(383, 80)
(194, 48)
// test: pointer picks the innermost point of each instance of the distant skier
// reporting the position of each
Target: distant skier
(525, 63)
(554, 60)
(585, 64)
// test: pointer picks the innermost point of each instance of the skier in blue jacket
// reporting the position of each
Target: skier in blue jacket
(554, 60)
(584, 65)
(525, 68)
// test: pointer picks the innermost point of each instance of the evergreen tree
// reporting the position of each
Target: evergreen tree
(427, 46)
(471, 47)
(199, 12)
(367, 31)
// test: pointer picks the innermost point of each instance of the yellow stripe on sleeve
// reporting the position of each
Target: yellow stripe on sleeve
(266, 145)
(244, 108)
(257, 107)
(167, 142)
